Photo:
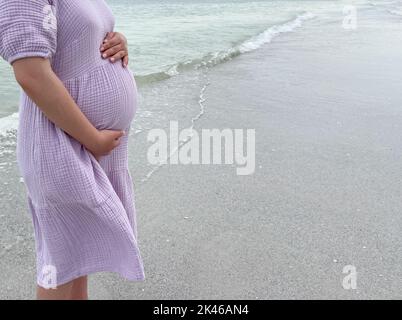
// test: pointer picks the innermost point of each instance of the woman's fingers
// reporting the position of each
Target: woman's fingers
(115, 47)
(112, 51)
(110, 38)
(118, 134)
(110, 44)
(118, 56)
(108, 141)
(116, 143)
(117, 140)
(109, 35)
(116, 53)
(125, 61)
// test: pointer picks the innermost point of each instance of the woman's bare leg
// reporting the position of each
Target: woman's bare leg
(62, 292)
(74, 290)
(79, 290)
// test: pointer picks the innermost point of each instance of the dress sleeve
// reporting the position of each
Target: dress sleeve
(28, 28)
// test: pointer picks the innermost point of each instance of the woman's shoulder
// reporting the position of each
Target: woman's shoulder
(28, 28)
(22, 4)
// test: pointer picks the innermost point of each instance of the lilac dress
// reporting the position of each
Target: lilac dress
(83, 211)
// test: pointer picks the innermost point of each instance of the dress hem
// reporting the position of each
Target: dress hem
(138, 278)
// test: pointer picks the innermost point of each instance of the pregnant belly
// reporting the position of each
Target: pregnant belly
(107, 96)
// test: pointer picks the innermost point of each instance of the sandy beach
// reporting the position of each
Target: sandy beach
(326, 108)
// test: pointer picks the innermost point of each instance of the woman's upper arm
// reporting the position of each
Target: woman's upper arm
(31, 71)
(28, 28)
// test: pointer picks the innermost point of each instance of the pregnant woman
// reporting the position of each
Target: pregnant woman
(77, 104)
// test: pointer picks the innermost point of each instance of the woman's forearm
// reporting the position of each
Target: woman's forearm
(42, 85)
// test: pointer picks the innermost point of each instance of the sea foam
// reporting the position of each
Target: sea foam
(257, 41)
(218, 57)
(269, 34)
(8, 124)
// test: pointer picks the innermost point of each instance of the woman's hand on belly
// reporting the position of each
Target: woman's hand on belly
(115, 47)
(105, 142)
(45, 89)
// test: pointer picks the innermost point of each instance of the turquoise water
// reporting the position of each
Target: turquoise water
(164, 33)
(167, 37)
